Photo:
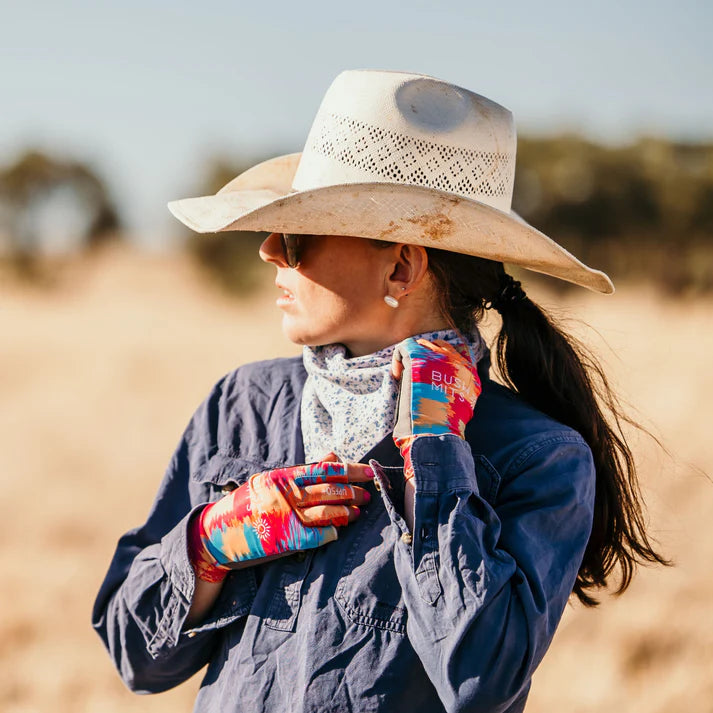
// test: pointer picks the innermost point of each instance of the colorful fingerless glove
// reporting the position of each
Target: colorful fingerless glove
(439, 388)
(274, 512)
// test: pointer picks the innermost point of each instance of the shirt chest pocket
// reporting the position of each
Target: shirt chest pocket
(368, 591)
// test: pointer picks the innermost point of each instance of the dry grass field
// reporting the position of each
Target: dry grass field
(99, 375)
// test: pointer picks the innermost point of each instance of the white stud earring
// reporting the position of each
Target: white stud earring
(391, 301)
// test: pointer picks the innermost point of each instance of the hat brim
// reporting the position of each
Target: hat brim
(261, 199)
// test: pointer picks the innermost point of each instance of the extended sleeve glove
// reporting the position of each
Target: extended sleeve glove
(273, 513)
(439, 388)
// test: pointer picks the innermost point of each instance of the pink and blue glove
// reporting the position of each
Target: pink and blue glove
(275, 512)
(439, 388)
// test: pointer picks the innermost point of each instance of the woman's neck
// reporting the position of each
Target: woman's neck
(386, 339)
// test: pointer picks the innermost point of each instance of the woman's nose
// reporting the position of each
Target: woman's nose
(271, 250)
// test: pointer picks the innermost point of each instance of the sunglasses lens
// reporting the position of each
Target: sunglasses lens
(291, 249)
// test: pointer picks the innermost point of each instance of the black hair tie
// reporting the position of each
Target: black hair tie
(510, 292)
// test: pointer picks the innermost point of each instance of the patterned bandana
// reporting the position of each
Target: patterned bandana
(349, 405)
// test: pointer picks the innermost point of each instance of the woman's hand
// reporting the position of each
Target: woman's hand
(275, 513)
(439, 388)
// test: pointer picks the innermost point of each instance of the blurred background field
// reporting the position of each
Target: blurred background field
(101, 373)
(114, 322)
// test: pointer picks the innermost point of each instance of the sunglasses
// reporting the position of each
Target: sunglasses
(291, 244)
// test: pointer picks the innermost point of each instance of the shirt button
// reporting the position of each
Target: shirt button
(377, 485)
(301, 556)
(191, 634)
(407, 538)
(425, 532)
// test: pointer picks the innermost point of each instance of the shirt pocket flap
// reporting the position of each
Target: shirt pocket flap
(225, 468)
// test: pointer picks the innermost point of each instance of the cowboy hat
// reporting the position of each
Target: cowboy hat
(398, 157)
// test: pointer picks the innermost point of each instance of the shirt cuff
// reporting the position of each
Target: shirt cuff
(234, 601)
(174, 557)
(443, 463)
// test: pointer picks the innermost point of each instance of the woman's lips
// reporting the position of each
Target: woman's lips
(286, 298)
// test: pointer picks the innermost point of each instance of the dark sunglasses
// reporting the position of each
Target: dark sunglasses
(291, 244)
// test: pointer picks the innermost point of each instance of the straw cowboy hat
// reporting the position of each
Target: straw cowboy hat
(400, 157)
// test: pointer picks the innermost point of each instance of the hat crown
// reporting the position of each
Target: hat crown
(393, 127)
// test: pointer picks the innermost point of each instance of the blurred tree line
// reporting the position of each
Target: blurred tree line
(643, 211)
(51, 206)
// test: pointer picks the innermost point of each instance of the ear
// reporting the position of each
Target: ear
(409, 268)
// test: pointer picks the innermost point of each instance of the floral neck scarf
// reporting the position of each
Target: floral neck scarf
(349, 405)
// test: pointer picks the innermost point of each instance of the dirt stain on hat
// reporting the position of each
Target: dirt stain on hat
(436, 226)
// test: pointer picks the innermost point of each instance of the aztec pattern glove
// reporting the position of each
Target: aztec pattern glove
(439, 388)
(274, 512)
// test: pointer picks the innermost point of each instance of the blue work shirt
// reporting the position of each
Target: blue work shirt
(454, 616)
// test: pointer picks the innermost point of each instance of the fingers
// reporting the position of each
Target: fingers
(419, 349)
(462, 353)
(331, 472)
(440, 346)
(354, 513)
(322, 472)
(359, 473)
(331, 494)
(322, 515)
(458, 357)
(355, 472)
(465, 352)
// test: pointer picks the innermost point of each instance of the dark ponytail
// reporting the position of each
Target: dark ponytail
(560, 377)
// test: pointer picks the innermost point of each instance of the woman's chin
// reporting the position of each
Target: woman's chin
(299, 335)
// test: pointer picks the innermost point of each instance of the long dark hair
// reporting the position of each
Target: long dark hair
(560, 377)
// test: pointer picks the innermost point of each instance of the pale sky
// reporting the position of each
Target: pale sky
(144, 91)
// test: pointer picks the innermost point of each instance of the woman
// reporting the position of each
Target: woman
(423, 558)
